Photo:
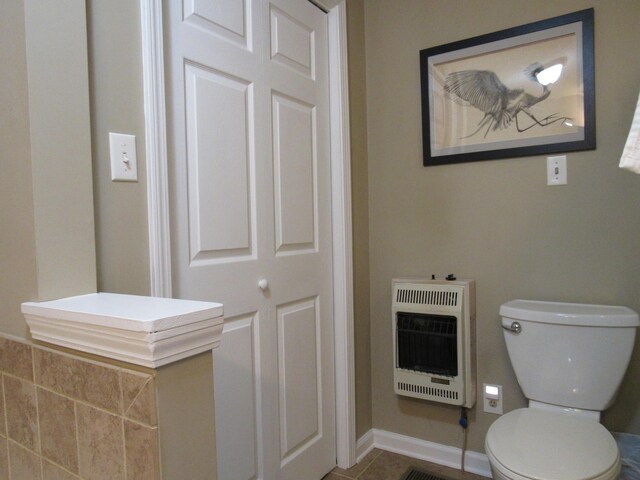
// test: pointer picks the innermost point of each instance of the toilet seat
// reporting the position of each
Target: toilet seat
(532, 444)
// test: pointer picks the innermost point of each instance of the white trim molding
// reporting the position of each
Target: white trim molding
(364, 445)
(342, 238)
(328, 5)
(156, 148)
(437, 453)
(158, 199)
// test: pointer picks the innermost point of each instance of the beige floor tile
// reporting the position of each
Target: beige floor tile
(387, 466)
(359, 467)
(334, 476)
(383, 465)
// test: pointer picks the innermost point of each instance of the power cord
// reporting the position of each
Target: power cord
(464, 423)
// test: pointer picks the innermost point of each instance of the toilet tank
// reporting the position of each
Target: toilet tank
(569, 354)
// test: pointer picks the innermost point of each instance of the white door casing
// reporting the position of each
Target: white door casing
(153, 54)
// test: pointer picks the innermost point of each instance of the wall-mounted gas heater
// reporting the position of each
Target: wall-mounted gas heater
(434, 340)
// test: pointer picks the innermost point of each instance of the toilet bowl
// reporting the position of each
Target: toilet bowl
(528, 444)
(569, 360)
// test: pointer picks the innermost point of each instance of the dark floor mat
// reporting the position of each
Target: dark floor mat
(416, 474)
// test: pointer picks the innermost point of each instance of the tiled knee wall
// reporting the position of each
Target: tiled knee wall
(64, 417)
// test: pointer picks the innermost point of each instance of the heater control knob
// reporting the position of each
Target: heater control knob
(451, 277)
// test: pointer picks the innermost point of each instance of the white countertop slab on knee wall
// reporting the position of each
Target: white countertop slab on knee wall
(147, 331)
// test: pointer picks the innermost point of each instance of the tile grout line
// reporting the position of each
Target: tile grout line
(39, 446)
(124, 407)
(77, 425)
(124, 435)
(124, 449)
(370, 463)
(358, 475)
(37, 399)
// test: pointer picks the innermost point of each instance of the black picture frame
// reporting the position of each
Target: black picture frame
(484, 98)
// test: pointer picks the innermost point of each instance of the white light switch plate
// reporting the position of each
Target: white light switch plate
(557, 170)
(124, 165)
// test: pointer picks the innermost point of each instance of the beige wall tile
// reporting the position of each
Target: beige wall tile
(132, 382)
(16, 359)
(101, 444)
(4, 459)
(139, 394)
(76, 440)
(22, 417)
(24, 464)
(53, 472)
(80, 379)
(58, 429)
(142, 453)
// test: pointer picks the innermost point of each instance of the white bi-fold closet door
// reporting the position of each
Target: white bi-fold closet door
(248, 117)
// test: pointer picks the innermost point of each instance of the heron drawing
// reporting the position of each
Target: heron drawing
(482, 89)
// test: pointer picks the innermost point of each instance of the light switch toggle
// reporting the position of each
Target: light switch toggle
(124, 166)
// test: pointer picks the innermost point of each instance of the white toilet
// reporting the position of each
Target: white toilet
(569, 360)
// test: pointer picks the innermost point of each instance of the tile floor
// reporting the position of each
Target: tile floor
(383, 465)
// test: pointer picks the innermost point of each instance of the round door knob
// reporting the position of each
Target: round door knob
(263, 284)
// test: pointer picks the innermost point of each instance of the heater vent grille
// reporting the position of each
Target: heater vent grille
(427, 297)
(430, 391)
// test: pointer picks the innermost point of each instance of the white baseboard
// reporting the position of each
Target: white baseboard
(478, 463)
(364, 445)
(446, 455)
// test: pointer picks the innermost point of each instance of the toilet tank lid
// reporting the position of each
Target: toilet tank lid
(570, 313)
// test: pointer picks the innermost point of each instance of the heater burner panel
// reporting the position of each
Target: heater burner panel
(427, 343)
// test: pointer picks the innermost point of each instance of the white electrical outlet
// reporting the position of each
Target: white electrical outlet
(557, 170)
(124, 165)
(492, 395)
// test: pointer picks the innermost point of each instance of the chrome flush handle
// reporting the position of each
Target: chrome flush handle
(515, 327)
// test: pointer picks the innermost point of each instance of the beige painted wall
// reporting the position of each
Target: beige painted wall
(115, 82)
(47, 243)
(57, 75)
(18, 281)
(495, 221)
(360, 212)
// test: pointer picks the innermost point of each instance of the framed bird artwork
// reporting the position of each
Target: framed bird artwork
(527, 90)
